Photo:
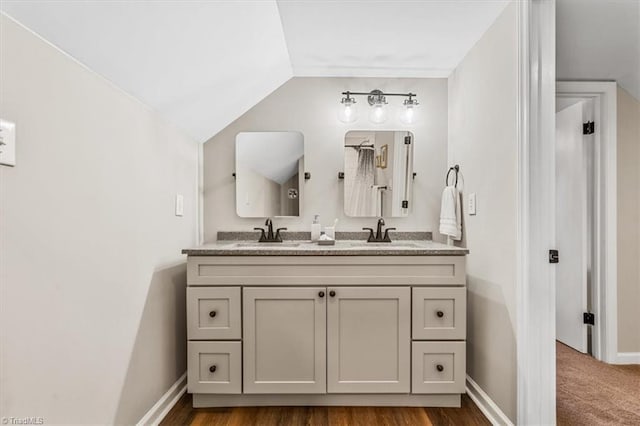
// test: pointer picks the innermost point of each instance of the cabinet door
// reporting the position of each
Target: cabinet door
(368, 339)
(285, 334)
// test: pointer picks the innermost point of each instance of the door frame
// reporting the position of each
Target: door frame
(604, 294)
(535, 281)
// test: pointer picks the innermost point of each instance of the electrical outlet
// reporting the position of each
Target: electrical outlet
(473, 204)
(179, 205)
(7, 143)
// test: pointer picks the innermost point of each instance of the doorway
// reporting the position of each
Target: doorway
(575, 207)
(591, 257)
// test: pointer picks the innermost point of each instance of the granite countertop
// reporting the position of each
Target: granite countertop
(341, 248)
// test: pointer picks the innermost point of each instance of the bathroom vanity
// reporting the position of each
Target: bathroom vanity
(295, 323)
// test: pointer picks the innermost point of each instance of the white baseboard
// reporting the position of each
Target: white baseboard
(628, 358)
(490, 409)
(161, 408)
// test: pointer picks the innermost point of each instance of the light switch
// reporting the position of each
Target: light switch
(473, 204)
(7, 143)
(179, 205)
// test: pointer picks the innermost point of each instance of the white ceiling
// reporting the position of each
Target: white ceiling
(599, 40)
(202, 64)
(416, 38)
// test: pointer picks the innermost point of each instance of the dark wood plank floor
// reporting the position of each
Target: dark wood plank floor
(184, 414)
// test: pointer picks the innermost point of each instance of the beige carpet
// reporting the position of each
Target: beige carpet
(590, 392)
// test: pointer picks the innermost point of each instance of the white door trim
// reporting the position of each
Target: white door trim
(535, 296)
(604, 303)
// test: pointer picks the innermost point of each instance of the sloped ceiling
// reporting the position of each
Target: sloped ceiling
(599, 40)
(202, 64)
(427, 38)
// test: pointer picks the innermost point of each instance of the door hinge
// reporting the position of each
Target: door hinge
(554, 256)
(405, 204)
(407, 140)
(588, 128)
(589, 318)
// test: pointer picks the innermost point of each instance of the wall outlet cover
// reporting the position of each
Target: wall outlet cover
(7, 143)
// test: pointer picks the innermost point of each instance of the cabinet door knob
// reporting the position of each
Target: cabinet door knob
(212, 314)
(321, 294)
(440, 367)
(332, 293)
(440, 314)
(213, 368)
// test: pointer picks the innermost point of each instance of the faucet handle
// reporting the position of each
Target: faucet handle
(371, 236)
(263, 236)
(387, 239)
(278, 238)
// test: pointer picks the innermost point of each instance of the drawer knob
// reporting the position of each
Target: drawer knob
(440, 314)
(321, 294)
(213, 369)
(440, 367)
(332, 293)
(213, 314)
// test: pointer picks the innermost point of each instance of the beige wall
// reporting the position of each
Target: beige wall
(92, 281)
(310, 105)
(628, 222)
(483, 136)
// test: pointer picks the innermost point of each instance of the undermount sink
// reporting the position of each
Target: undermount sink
(384, 245)
(265, 245)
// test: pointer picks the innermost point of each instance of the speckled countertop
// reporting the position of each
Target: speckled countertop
(341, 248)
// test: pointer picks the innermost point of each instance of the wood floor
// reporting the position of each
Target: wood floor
(183, 414)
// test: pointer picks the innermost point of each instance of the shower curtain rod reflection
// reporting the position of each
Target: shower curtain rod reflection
(362, 145)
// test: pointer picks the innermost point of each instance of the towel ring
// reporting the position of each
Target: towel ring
(456, 169)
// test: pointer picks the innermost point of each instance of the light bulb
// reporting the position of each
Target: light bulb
(407, 115)
(348, 112)
(378, 113)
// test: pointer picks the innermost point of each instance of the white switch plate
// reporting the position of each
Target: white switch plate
(473, 204)
(179, 205)
(7, 143)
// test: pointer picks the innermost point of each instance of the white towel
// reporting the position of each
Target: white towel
(450, 214)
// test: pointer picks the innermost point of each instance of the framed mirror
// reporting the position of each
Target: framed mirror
(269, 173)
(378, 173)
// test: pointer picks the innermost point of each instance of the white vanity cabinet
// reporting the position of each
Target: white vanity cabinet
(326, 330)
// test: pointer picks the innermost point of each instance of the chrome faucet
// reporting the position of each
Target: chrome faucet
(379, 237)
(268, 236)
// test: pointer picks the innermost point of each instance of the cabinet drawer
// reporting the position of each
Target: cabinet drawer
(213, 313)
(439, 313)
(438, 367)
(214, 367)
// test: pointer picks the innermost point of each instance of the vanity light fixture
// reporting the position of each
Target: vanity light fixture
(348, 112)
(377, 99)
(407, 115)
(378, 102)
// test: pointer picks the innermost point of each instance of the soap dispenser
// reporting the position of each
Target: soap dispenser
(316, 227)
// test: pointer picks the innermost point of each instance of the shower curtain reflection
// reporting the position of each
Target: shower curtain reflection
(362, 200)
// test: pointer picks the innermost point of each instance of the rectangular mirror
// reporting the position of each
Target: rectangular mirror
(378, 173)
(269, 172)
